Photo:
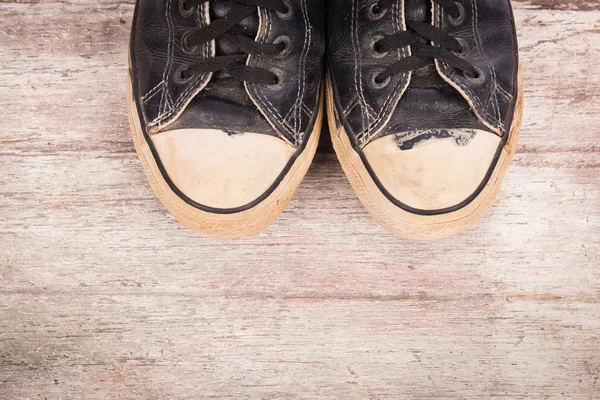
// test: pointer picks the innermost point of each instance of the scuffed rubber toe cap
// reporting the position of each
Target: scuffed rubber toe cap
(436, 174)
(222, 170)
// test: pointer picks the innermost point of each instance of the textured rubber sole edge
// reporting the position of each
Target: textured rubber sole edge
(405, 224)
(238, 225)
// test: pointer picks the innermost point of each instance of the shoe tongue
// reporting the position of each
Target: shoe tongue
(224, 103)
(420, 11)
(417, 10)
(249, 26)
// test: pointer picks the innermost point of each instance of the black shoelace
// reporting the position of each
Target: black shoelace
(448, 49)
(234, 65)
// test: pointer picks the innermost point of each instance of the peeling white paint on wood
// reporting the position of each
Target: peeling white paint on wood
(104, 296)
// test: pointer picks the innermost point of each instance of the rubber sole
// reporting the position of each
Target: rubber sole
(236, 225)
(403, 223)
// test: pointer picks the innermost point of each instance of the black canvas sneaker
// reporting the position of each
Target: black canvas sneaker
(425, 104)
(225, 106)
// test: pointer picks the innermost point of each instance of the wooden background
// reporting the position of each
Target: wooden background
(104, 296)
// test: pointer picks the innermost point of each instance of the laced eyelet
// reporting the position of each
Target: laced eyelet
(460, 18)
(478, 78)
(290, 11)
(184, 10)
(373, 48)
(185, 44)
(181, 77)
(278, 85)
(287, 42)
(375, 12)
(464, 48)
(376, 83)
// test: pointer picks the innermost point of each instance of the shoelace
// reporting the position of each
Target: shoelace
(448, 49)
(233, 65)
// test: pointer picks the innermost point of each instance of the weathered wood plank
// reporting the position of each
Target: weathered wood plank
(110, 297)
(63, 224)
(103, 295)
(190, 347)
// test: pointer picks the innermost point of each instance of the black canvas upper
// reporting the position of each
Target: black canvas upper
(272, 88)
(425, 95)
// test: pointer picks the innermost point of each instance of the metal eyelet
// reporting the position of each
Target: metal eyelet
(464, 48)
(375, 12)
(278, 85)
(185, 11)
(287, 45)
(376, 83)
(179, 78)
(456, 21)
(476, 79)
(373, 47)
(185, 44)
(290, 11)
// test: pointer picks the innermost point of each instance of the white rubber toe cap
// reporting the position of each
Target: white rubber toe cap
(221, 170)
(436, 174)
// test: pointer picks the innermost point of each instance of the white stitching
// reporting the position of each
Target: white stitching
(505, 94)
(167, 107)
(477, 36)
(350, 107)
(152, 91)
(258, 91)
(494, 97)
(171, 45)
(307, 43)
(182, 99)
(357, 67)
(475, 99)
(296, 108)
(306, 109)
(498, 117)
(401, 86)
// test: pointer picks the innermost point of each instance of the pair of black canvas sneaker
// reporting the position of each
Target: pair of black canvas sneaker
(423, 98)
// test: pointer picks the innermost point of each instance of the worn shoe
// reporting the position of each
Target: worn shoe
(225, 106)
(425, 104)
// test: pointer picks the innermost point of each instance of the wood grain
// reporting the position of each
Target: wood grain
(104, 296)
